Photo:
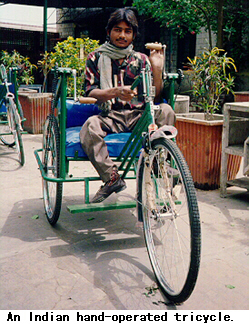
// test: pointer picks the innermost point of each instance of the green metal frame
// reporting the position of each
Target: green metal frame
(12, 78)
(127, 158)
(171, 78)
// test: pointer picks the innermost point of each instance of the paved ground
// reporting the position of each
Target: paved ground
(100, 261)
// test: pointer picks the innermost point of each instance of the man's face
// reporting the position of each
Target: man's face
(121, 35)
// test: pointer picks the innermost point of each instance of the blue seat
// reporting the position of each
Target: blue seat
(115, 143)
(77, 114)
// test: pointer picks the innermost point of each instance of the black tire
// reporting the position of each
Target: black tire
(52, 191)
(15, 126)
(171, 221)
(19, 145)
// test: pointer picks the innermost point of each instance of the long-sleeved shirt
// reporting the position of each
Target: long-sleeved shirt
(122, 74)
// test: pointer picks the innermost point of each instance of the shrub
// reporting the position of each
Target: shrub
(71, 53)
(15, 59)
(210, 79)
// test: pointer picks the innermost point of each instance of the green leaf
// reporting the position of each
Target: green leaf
(230, 286)
(35, 217)
(151, 291)
(90, 219)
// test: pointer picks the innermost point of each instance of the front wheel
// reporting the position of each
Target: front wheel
(15, 126)
(167, 206)
(52, 191)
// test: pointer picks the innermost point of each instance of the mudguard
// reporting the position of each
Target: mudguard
(166, 131)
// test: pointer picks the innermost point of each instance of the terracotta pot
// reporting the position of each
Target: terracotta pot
(36, 107)
(241, 96)
(200, 142)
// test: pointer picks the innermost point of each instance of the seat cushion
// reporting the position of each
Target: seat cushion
(115, 143)
(78, 113)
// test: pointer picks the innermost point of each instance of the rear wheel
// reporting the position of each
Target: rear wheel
(52, 191)
(168, 207)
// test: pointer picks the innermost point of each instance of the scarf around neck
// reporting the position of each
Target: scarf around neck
(109, 52)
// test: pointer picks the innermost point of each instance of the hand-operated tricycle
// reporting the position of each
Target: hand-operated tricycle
(165, 199)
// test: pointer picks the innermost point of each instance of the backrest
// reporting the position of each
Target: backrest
(78, 113)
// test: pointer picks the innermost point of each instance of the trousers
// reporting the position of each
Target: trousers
(117, 121)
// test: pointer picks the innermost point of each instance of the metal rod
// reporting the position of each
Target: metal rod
(45, 25)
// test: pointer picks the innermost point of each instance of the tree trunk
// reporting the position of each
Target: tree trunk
(220, 24)
(209, 35)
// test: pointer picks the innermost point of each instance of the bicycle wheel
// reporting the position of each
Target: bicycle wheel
(6, 135)
(52, 191)
(167, 205)
(15, 127)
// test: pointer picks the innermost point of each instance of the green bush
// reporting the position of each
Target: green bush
(15, 59)
(71, 53)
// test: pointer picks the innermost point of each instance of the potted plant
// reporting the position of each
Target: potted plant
(35, 105)
(199, 134)
(26, 96)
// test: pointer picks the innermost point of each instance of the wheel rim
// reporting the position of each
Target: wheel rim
(13, 119)
(18, 143)
(6, 139)
(18, 140)
(5, 128)
(50, 162)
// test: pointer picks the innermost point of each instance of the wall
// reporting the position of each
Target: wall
(202, 41)
(64, 29)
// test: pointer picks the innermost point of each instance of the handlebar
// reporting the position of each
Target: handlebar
(155, 46)
(87, 100)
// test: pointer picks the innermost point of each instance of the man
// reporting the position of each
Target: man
(110, 71)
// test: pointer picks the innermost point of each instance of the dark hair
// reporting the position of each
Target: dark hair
(123, 14)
